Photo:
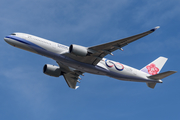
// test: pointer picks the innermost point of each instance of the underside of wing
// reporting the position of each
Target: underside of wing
(71, 80)
(96, 53)
(107, 48)
(70, 75)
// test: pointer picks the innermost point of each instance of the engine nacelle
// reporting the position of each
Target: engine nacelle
(78, 50)
(51, 70)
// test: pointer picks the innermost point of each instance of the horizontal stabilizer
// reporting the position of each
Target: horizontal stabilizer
(151, 85)
(162, 75)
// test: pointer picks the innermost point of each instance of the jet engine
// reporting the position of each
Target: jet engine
(78, 50)
(52, 70)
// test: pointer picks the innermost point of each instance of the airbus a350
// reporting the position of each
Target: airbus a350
(75, 60)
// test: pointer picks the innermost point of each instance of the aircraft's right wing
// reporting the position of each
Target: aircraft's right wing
(99, 51)
(107, 48)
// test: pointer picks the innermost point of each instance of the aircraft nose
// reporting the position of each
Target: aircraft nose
(6, 39)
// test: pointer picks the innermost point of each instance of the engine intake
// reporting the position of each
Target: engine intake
(52, 70)
(78, 50)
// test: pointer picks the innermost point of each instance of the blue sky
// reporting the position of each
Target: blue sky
(27, 93)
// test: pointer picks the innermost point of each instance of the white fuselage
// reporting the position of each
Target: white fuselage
(55, 51)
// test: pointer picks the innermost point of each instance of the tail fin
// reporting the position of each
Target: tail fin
(155, 67)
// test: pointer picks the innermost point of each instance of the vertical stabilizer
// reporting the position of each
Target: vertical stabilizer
(155, 67)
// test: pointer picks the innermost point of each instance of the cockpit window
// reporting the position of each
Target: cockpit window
(13, 34)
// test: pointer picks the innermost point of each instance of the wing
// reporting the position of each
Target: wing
(70, 75)
(71, 80)
(99, 51)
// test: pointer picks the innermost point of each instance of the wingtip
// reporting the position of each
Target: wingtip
(76, 87)
(157, 27)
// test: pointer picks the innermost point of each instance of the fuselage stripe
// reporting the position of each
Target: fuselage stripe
(24, 41)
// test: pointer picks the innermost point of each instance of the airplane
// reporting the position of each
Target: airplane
(76, 60)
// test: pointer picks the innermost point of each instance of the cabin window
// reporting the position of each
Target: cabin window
(13, 34)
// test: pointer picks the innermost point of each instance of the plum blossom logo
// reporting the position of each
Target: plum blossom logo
(152, 69)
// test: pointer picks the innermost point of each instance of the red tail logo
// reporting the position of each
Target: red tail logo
(152, 69)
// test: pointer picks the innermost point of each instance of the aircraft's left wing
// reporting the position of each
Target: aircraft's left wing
(99, 51)
(70, 75)
(71, 80)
